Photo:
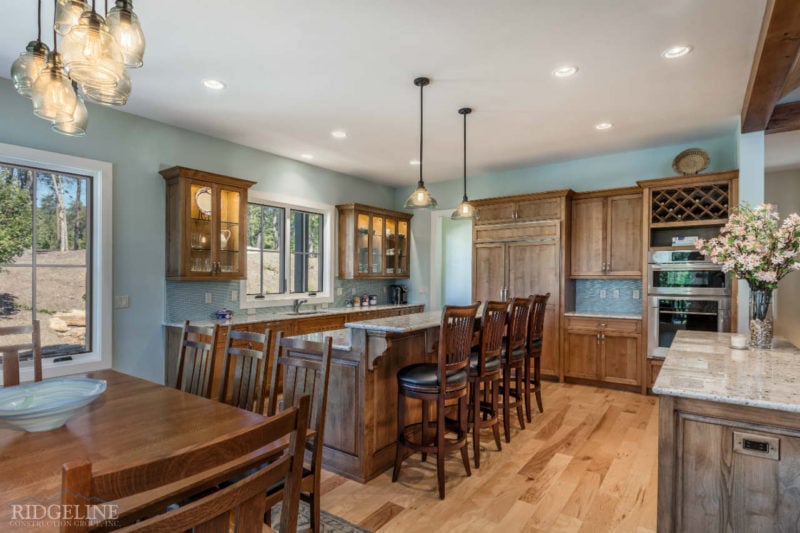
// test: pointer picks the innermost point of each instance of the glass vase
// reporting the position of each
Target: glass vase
(761, 318)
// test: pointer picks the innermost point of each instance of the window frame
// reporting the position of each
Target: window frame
(328, 212)
(100, 356)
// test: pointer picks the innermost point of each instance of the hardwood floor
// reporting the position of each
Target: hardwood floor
(588, 463)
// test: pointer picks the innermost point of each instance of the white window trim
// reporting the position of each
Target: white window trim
(101, 172)
(325, 296)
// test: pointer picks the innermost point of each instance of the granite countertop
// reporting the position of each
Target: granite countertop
(243, 318)
(400, 324)
(341, 338)
(703, 366)
(605, 315)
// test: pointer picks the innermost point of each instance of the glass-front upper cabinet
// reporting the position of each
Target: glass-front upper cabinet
(373, 242)
(205, 226)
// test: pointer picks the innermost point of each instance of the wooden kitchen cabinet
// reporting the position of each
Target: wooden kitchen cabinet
(604, 350)
(206, 225)
(373, 242)
(607, 234)
(653, 368)
(521, 208)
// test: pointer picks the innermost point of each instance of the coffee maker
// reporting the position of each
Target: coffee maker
(398, 294)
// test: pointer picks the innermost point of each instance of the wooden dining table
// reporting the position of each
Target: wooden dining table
(133, 420)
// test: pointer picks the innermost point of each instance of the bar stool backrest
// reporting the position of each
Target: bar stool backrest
(493, 326)
(537, 318)
(455, 338)
(518, 324)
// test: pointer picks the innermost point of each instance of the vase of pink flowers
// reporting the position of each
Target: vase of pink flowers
(757, 247)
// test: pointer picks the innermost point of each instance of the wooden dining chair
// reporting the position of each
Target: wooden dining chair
(484, 375)
(196, 359)
(244, 366)
(533, 381)
(197, 470)
(437, 383)
(305, 370)
(513, 360)
(11, 352)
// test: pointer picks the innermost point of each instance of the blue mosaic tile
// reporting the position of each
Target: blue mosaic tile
(587, 296)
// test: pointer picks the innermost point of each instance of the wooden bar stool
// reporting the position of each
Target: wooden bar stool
(438, 382)
(513, 360)
(484, 375)
(533, 383)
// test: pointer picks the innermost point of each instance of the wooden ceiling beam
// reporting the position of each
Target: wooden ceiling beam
(785, 117)
(793, 78)
(778, 46)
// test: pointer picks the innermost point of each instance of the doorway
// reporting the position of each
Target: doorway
(451, 260)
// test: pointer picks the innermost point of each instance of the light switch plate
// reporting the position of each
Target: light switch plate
(122, 302)
(234, 295)
(209, 298)
(602, 294)
(615, 293)
(635, 294)
(338, 291)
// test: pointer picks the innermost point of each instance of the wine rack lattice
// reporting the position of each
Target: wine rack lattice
(684, 204)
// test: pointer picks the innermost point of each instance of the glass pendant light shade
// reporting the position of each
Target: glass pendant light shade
(124, 26)
(53, 97)
(80, 119)
(420, 198)
(68, 12)
(91, 53)
(109, 96)
(465, 209)
(25, 70)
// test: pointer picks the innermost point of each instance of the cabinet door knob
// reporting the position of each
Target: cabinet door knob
(603, 324)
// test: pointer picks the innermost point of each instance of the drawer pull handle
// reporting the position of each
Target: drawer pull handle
(603, 324)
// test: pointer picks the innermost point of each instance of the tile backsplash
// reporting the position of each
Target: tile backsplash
(589, 296)
(186, 299)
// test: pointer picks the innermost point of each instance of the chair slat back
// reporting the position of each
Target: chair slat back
(196, 359)
(243, 369)
(11, 352)
(202, 466)
(493, 326)
(537, 318)
(518, 323)
(455, 338)
(305, 370)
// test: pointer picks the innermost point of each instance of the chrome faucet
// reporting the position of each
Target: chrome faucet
(297, 303)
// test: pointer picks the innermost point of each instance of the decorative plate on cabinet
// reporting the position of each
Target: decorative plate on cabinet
(202, 198)
(691, 161)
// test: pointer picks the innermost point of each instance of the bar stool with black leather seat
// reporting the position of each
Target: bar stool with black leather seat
(513, 360)
(445, 380)
(533, 383)
(484, 375)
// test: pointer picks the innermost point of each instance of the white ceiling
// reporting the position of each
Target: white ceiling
(297, 70)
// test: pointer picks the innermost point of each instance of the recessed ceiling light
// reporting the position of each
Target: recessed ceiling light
(307, 156)
(214, 85)
(565, 71)
(414, 162)
(603, 126)
(339, 134)
(674, 52)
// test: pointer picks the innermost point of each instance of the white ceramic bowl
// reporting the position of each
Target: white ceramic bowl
(48, 404)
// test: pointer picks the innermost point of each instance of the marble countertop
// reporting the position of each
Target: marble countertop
(243, 318)
(703, 366)
(400, 324)
(605, 315)
(341, 338)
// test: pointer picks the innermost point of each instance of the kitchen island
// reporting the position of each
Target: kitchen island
(729, 436)
(361, 418)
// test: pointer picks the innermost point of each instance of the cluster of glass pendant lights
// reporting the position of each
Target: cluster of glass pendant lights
(95, 53)
(421, 198)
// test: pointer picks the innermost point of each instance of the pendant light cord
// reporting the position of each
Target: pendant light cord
(421, 183)
(465, 157)
(55, 42)
(39, 27)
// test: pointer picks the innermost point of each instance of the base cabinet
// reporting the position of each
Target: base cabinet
(727, 467)
(603, 350)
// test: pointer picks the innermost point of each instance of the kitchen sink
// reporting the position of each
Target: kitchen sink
(308, 312)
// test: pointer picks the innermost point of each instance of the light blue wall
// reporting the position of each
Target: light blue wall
(138, 149)
(622, 169)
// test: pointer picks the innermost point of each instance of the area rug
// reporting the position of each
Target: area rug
(328, 523)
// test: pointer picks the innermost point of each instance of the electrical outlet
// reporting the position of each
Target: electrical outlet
(234, 295)
(122, 302)
(209, 298)
(635, 294)
(338, 291)
(602, 294)
(615, 293)
(353, 291)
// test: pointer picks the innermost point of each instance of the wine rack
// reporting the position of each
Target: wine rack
(690, 204)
